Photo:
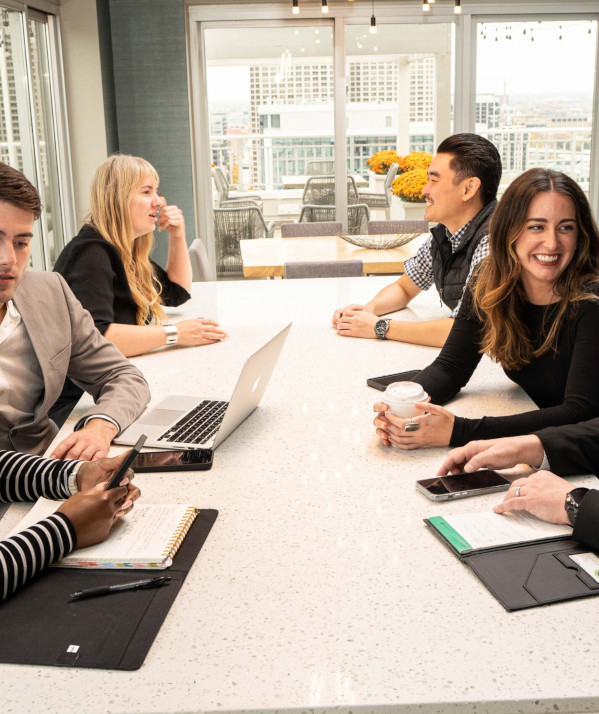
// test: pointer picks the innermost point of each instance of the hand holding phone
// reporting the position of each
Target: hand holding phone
(122, 470)
(464, 485)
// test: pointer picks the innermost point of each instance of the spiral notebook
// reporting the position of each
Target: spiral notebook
(148, 537)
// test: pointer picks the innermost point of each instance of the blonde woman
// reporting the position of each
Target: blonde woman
(108, 267)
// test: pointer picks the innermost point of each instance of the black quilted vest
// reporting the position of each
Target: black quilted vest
(450, 270)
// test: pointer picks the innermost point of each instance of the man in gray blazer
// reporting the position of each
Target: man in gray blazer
(45, 336)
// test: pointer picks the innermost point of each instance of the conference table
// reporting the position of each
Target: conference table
(319, 588)
(266, 257)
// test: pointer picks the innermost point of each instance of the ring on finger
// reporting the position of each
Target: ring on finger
(412, 425)
(517, 491)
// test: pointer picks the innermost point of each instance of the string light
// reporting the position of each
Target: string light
(425, 6)
(373, 21)
(457, 7)
(325, 7)
(295, 7)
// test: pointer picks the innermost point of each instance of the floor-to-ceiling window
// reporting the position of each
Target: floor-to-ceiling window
(534, 94)
(524, 77)
(29, 132)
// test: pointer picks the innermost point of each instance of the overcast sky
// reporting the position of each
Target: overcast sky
(546, 65)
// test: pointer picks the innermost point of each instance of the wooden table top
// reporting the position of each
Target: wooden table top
(266, 257)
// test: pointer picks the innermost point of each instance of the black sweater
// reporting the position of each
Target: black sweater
(565, 386)
(95, 273)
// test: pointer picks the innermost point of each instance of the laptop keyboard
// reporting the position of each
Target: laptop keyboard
(198, 425)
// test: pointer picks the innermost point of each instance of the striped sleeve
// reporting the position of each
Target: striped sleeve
(25, 478)
(24, 555)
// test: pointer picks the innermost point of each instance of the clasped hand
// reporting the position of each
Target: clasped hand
(435, 425)
(355, 321)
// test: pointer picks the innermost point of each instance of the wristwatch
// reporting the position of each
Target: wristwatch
(380, 329)
(172, 334)
(573, 501)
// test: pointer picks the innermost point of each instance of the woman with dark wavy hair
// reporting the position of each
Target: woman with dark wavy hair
(531, 307)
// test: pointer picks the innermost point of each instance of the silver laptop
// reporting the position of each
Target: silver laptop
(183, 422)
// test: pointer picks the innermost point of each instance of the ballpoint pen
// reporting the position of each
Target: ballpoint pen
(108, 589)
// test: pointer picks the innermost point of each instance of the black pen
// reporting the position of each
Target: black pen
(135, 585)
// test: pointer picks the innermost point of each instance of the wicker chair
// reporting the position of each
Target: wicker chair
(200, 265)
(320, 167)
(381, 200)
(357, 216)
(232, 224)
(388, 227)
(247, 199)
(325, 269)
(301, 230)
(320, 191)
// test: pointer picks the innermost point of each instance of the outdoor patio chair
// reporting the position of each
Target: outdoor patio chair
(381, 200)
(389, 227)
(320, 167)
(232, 224)
(246, 198)
(200, 265)
(357, 216)
(320, 191)
(300, 230)
(325, 269)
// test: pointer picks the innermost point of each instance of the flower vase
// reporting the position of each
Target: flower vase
(376, 182)
(407, 210)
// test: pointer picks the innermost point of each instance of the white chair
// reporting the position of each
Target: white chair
(381, 200)
(200, 265)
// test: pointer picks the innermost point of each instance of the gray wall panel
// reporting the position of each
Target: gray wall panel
(149, 65)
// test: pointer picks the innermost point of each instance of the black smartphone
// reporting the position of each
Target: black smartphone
(452, 486)
(120, 472)
(381, 383)
(184, 460)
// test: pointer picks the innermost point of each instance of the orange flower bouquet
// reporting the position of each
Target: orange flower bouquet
(380, 162)
(408, 186)
(415, 160)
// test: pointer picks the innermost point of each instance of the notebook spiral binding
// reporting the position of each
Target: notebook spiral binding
(173, 545)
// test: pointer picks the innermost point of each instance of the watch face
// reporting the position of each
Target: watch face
(381, 328)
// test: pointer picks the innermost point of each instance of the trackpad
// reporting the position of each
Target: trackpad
(160, 417)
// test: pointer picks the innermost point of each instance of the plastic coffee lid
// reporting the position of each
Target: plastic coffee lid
(406, 392)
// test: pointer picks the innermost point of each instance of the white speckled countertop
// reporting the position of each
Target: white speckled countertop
(319, 588)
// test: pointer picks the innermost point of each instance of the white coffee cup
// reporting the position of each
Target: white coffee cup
(402, 397)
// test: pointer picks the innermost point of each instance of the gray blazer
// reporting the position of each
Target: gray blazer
(67, 343)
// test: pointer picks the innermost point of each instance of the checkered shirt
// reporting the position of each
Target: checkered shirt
(419, 268)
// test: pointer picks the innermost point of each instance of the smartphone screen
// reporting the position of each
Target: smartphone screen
(381, 383)
(190, 459)
(463, 485)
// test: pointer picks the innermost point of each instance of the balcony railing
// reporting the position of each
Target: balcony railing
(259, 162)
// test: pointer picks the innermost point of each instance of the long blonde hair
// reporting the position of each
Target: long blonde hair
(112, 189)
(497, 290)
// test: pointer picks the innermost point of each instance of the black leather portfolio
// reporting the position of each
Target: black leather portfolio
(532, 574)
(41, 625)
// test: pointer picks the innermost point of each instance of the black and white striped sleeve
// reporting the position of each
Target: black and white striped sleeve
(24, 555)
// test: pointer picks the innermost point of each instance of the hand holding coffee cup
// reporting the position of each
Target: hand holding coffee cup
(406, 418)
(401, 397)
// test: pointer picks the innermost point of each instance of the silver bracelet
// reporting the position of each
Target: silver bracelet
(172, 334)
